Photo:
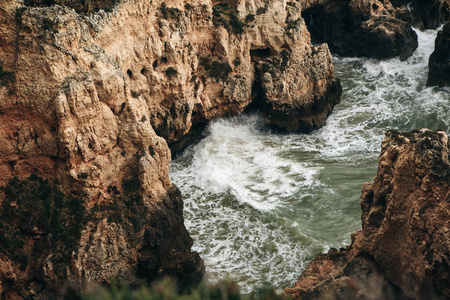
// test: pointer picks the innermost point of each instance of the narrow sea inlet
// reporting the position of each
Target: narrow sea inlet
(260, 206)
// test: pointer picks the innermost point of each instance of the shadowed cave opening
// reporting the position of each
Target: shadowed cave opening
(260, 53)
(312, 23)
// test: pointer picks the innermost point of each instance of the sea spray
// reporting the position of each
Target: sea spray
(259, 206)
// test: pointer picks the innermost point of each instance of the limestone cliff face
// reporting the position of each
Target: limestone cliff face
(403, 249)
(91, 100)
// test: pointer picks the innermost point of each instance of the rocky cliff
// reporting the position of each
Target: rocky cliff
(372, 28)
(95, 97)
(439, 63)
(93, 93)
(403, 249)
(426, 14)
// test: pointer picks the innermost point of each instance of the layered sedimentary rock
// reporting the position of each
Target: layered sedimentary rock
(403, 249)
(373, 28)
(90, 102)
(439, 63)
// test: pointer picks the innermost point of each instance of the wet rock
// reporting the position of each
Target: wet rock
(402, 250)
(426, 14)
(439, 63)
(93, 93)
(362, 28)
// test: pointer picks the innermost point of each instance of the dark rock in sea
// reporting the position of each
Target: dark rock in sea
(427, 14)
(403, 249)
(363, 28)
(439, 63)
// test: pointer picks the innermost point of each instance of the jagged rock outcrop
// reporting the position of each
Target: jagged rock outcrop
(90, 102)
(296, 108)
(403, 249)
(362, 28)
(426, 14)
(439, 63)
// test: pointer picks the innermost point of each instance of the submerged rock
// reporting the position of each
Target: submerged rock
(439, 63)
(403, 249)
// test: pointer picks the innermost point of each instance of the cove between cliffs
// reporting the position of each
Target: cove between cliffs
(259, 206)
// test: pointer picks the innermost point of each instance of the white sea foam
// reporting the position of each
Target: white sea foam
(260, 206)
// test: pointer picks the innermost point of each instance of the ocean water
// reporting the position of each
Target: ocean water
(260, 206)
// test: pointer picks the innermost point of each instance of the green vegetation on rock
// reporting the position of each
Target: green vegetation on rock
(166, 290)
(170, 12)
(36, 207)
(216, 69)
(226, 16)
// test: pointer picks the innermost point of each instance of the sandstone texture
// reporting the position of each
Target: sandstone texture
(94, 95)
(403, 249)
(95, 98)
(439, 63)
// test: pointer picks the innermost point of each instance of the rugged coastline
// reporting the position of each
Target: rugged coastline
(88, 115)
(91, 119)
(402, 251)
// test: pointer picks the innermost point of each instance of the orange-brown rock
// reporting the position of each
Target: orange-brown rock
(91, 97)
(403, 249)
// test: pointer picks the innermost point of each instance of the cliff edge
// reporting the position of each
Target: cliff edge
(403, 249)
(94, 95)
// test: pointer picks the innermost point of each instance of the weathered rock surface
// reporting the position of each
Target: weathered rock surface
(439, 63)
(296, 107)
(362, 28)
(426, 14)
(90, 102)
(403, 249)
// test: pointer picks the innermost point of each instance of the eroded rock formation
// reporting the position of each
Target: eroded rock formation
(426, 14)
(90, 102)
(373, 28)
(439, 63)
(93, 94)
(403, 249)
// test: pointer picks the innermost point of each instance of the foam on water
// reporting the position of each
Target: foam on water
(259, 206)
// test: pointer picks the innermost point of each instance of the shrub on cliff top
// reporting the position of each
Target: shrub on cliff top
(37, 206)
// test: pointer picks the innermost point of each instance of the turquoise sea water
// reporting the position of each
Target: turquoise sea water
(260, 206)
